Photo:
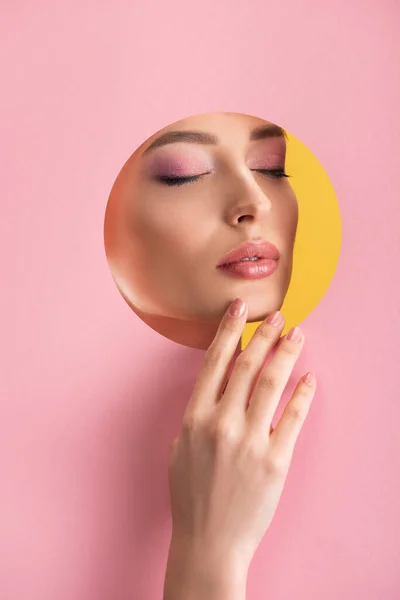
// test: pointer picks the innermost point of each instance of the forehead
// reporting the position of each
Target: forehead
(225, 126)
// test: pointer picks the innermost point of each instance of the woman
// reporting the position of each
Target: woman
(202, 213)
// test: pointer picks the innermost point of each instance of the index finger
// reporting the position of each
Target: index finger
(218, 357)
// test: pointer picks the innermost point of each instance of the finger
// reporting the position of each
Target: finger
(250, 362)
(173, 451)
(217, 358)
(273, 380)
(229, 369)
(287, 430)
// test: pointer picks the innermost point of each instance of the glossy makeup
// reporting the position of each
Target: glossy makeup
(251, 260)
(190, 195)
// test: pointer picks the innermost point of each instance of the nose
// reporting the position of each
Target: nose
(248, 202)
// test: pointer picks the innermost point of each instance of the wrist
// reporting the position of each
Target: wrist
(196, 572)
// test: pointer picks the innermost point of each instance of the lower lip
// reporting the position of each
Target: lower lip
(251, 269)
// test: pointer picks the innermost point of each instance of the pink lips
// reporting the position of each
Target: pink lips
(251, 260)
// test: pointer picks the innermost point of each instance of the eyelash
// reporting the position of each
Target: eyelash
(274, 173)
(175, 181)
(178, 180)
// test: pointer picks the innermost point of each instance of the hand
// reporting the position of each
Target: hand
(228, 466)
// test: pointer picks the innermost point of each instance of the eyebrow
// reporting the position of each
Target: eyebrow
(201, 137)
(267, 131)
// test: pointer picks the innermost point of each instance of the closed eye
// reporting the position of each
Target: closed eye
(179, 180)
(176, 181)
(274, 173)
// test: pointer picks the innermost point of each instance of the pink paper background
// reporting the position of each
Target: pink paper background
(90, 396)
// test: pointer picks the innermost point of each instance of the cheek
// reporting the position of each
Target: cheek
(293, 216)
(168, 231)
(288, 216)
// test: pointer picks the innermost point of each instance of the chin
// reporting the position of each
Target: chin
(258, 311)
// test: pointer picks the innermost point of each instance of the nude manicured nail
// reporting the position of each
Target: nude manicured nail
(309, 379)
(237, 308)
(294, 334)
(275, 318)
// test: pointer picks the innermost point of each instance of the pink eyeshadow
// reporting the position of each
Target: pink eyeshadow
(178, 164)
(267, 154)
(267, 161)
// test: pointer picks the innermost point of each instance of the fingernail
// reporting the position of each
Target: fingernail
(237, 308)
(275, 318)
(294, 334)
(309, 379)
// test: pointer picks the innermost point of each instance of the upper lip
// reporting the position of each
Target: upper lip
(250, 249)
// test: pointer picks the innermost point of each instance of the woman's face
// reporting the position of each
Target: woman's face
(186, 198)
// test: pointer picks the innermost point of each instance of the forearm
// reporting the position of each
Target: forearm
(196, 575)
